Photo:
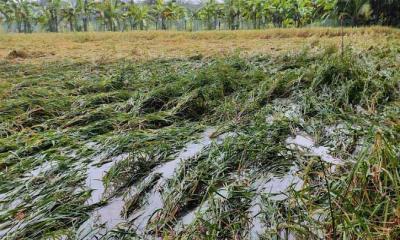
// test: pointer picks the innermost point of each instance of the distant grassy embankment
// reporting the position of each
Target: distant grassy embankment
(146, 45)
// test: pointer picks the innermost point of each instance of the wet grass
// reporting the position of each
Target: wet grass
(54, 124)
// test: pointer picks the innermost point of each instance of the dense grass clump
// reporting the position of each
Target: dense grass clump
(350, 82)
(369, 195)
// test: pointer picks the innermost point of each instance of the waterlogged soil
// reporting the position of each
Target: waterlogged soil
(112, 213)
(203, 149)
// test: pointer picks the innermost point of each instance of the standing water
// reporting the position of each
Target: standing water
(110, 215)
(167, 170)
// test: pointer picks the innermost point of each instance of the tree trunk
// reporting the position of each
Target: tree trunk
(110, 24)
(231, 23)
(131, 23)
(19, 26)
(163, 24)
(255, 20)
(28, 27)
(53, 21)
(85, 24)
(85, 16)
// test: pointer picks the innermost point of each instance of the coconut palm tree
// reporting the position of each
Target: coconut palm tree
(84, 9)
(301, 12)
(23, 15)
(167, 12)
(158, 10)
(117, 14)
(253, 10)
(358, 11)
(232, 9)
(274, 11)
(323, 9)
(7, 14)
(210, 14)
(50, 14)
(138, 16)
(70, 14)
(110, 11)
(173, 11)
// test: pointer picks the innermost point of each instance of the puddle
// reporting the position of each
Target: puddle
(167, 170)
(276, 187)
(95, 174)
(110, 215)
(43, 168)
(301, 141)
(11, 228)
(10, 202)
(102, 220)
(189, 218)
(309, 144)
(257, 225)
(285, 234)
(190, 150)
(112, 212)
(220, 195)
(154, 202)
(105, 218)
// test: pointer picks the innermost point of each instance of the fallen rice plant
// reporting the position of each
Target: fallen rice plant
(302, 145)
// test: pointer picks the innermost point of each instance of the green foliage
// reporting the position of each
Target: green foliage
(116, 15)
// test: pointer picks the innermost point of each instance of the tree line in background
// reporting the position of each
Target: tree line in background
(119, 15)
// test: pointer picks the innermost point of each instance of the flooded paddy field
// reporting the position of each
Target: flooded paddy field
(301, 145)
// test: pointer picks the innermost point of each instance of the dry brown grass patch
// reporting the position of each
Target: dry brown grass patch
(145, 45)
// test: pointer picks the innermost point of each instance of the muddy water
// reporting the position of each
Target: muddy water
(190, 217)
(94, 179)
(43, 168)
(309, 145)
(278, 187)
(109, 216)
(102, 220)
(11, 200)
(167, 170)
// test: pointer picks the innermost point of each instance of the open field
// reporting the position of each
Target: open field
(225, 135)
(147, 45)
